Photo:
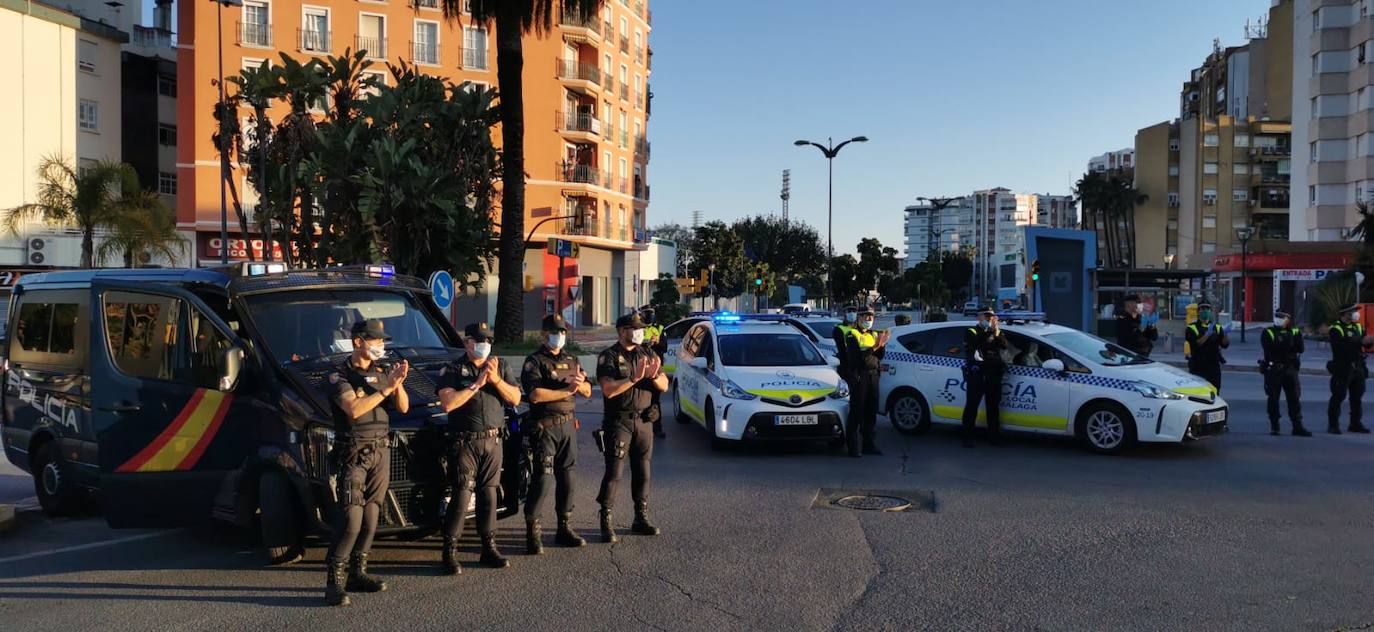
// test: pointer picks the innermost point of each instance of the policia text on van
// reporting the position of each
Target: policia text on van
(184, 394)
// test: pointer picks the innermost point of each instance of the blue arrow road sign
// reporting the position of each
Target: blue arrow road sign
(441, 286)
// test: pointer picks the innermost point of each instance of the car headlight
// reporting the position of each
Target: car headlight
(1154, 391)
(733, 391)
(841, 391)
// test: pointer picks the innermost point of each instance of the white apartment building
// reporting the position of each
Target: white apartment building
(1056, 211)
(928, 228)
(1333, 117)
(1119, 159)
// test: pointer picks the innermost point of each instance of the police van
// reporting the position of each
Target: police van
(180, 395)
(1059, 381)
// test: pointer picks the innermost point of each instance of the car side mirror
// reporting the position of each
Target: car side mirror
(698, 363)
(230, 364)
(833, 361)
(1054, 364)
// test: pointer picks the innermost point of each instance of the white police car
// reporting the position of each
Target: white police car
(1059, 381)
(674, 333)
(757, 379)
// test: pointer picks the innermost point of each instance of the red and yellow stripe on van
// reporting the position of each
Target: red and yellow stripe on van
(183, 441)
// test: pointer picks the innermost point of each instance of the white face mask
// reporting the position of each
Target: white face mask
(556, 341)
(480, 350)
(377, 352)
(866, 324)
(1278, 322)
(849, 317)
(1355, 317)
(637, 337)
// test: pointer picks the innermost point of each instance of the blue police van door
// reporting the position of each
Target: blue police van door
(160, 402)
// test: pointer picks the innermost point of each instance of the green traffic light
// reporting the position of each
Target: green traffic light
(1035, 277)
(758, 281)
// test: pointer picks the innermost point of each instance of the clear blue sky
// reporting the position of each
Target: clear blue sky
(954, 95)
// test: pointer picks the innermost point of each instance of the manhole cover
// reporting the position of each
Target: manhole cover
(873, 502)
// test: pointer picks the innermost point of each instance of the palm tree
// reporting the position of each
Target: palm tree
(99, 197)
(228, 140)
(257, 87)
(139, 237)
(513, 20)
(1109, 200)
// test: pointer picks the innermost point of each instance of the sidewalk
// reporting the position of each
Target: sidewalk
(1242, 356)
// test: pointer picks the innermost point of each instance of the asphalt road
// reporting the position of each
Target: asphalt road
(1241, 532)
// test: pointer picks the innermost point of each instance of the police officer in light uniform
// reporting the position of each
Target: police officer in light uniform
(653, 338)
(983, 371)
(1348, 370)
(363, 390)
(628, 373)
(475, 391)
(552, 380)
(1283, 348)
(1205, 340)
(1129, 333)
(862, 360)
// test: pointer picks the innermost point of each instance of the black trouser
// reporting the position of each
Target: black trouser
(983, 387)
(631, 439)
(863, 409)
(655, 412)
(1210, 371)
(1283, 380)
(1347, 383)
(474, 466)
(554, 453)
(363, 474)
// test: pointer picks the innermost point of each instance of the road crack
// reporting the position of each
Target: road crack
(873, 578)
(692, 597)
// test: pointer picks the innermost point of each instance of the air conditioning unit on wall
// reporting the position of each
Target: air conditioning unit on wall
(58, 250)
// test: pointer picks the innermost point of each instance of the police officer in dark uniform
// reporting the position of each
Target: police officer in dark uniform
(629, 373)
(1348, 370)
(1205, 340)
(983, 371)
(551, 380)
(1283, 348)
(363, 389)
(862, 359)
(475, 392)
(841, 332)
(653, 338)
(1129, 333)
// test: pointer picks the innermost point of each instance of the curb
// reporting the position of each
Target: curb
(7, 517)
(1235, 368)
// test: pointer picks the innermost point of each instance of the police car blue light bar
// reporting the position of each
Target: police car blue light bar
(263, 269)
(1021, 315)
(383, 270)
(726, 317)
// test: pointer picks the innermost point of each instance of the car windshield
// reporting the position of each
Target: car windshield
(768, 350)
(308, 324)
(823, 328)
(1096, 350)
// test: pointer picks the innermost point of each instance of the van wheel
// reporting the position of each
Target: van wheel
(1106, 428)
(678, 415)
(279, 521)
(908, 412)
(52, 482)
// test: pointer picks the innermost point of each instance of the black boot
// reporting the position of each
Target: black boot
(1299, 431)
(1333, 428)
(1274, 427)
(607, 529)
(450, 564)
(335, 591)
(566, 536)
(872, 448)
(641, 525)
(533, 537)
(358, 579)
(1358, 428)
(491, 556)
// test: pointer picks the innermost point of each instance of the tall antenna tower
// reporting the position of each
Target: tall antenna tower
(786, 192)
(696, 218)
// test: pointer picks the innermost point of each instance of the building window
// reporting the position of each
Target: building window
(1210, 140)
(1173, 170)
(166, 183)
(166, 135)
(167, 86)
(1172, 224)
(1239, 195)
(373, 81)
(86, 53)
(1173, 144)
(1209, 246)
(256, 29)
(1312, 147)
(1209, 168)
(1312, 194)
(1209, 197)
(315, 30)
(1242, 140)
(475, 48)
(1173, 198)
(1240, 168)
(88, 115)
(426, 43)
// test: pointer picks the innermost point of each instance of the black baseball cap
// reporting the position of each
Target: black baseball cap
(987, 311)
(554, 322)
(1349, 308)
(867, 311)
(1282, 314)
(1204, 305)
(478, 331)
(631, 320)
(370, 329)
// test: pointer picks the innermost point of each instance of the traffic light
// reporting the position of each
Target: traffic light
(1035, 271)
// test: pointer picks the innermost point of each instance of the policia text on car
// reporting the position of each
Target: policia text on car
(363, 389)
(628, 373)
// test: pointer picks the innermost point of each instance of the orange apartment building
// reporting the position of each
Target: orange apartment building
(586, 115)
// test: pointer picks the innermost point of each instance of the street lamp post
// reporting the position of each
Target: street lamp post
(1169, 264)
(830, 149)
(1243, 235)
(223, 154)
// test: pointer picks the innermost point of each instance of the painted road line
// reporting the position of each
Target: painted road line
(85, 547)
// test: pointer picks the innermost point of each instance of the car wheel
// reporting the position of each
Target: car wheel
(678, 415)
(1105, 428)
(51, 483)
(908, 412)
(278, 519)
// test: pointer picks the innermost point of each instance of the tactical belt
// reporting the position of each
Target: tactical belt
(366, 441)
(480, 434)
(553, 419)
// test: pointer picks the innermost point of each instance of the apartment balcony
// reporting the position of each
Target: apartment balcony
(585, 78)
(151, 37)
(425, 4)
(251, 34)
(639, 53)
(374, 47)
(475, 59)
(642, 147)
(624, 43)
(639, 99)
(579, 30)
(313, 41)
(624, 141)
(579, 126)
(424, 53)
(1270, 179)
(624, 91)
(574, 173)
(641, 191)
(1276, 151)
